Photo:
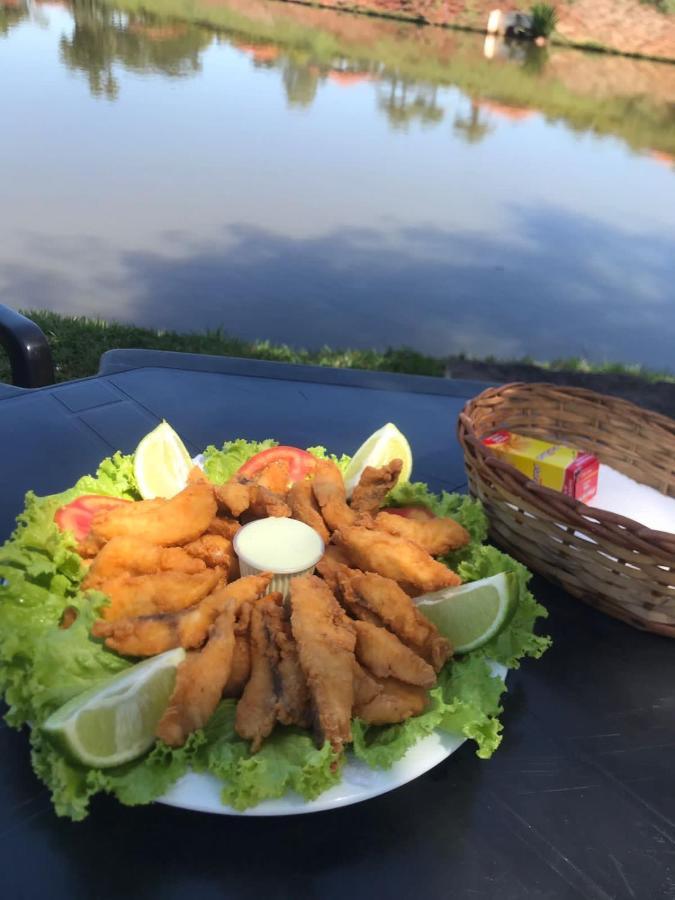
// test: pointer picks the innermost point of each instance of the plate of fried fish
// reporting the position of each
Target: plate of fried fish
(328, 691)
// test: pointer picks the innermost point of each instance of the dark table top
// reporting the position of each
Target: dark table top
(579, 801)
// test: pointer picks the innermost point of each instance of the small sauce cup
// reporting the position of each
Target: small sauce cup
(285, 547)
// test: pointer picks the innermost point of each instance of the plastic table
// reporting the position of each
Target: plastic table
(579, 801)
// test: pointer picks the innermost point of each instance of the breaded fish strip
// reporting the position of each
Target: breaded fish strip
(374, 485)
(275, 477)
(389, 605)
(149, 635)
(200, 680)
(213, 550)
(256, 710)
(395, 703)
(326, 641)
(394, 557)
(329, 565)
(264, 502)
(386, 656)
(329, 490)
(436, 536)
(241, 659)
(125, 555)
(223, 526)
(232, 497)
(176, 521)
(305, 508)
(147, 595)
(365, 687)
(293, 706)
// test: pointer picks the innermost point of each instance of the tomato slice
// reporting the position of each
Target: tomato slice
(77, 515)
(419, 513)
(300, 462)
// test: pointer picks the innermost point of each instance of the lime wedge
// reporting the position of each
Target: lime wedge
(380, 448)
(115, 722)
(161, 463)
(472, 614)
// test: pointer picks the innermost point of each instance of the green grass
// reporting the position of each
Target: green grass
(77, 344)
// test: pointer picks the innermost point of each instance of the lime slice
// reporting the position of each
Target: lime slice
(472, 614)
(161, 463)
(115, 722)
(382, 446)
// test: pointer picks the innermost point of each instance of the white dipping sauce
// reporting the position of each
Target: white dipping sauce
(278, 545)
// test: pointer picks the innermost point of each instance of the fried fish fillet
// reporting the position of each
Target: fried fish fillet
(241, 658)
(200, 680)
(256, 710)
(181, 519)
(394, 557)
(293, 706)
(326, 641)
(232, 497)
(386, 656)
(126, 555)
(365, 687)
(395, 703)
(264, 502)
(329, 490)
(436, 536)
(147, 595)
(374, 485)
(275, 477)
(305, 508)
(224, 526)
(329, 565)
(387, 604)
(149, 635)
(213, 550)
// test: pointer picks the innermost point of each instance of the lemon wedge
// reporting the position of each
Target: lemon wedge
(380, 448)
(472, 614)
(115, 722)
(161, 463)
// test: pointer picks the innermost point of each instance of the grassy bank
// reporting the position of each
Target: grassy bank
(77, 345)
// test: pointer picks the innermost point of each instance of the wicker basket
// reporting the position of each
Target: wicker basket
(614, 563)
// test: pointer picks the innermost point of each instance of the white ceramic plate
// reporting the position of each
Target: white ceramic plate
(359, 782)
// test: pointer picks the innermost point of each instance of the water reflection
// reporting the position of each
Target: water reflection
(312, 177)
(103, 37)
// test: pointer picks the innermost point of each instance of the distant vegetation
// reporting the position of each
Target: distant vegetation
(77, 344)
(544, 20)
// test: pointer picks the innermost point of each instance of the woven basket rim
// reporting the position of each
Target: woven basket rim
(664, 540)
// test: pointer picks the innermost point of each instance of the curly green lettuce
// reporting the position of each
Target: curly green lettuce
(42, 665)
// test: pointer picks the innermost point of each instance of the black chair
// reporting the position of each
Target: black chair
(30, 358)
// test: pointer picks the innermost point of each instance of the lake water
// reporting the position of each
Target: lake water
(313, 177)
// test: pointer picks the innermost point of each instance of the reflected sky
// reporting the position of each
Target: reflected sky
(208, 200)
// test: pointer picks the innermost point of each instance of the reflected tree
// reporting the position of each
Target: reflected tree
(11, 16)
(301, 82)
(405, 101)
(103, 37)
(472, 127)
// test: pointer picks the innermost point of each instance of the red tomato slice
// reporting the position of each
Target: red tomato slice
(300, 462)
(420, 513)
(76, 516)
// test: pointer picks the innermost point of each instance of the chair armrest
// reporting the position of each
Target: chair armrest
(29, 355)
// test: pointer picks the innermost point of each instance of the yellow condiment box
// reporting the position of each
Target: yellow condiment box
(554, 466)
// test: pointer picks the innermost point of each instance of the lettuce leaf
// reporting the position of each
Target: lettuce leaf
(340, 461)
(42, 666)
(221, 464)
(288, 760)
